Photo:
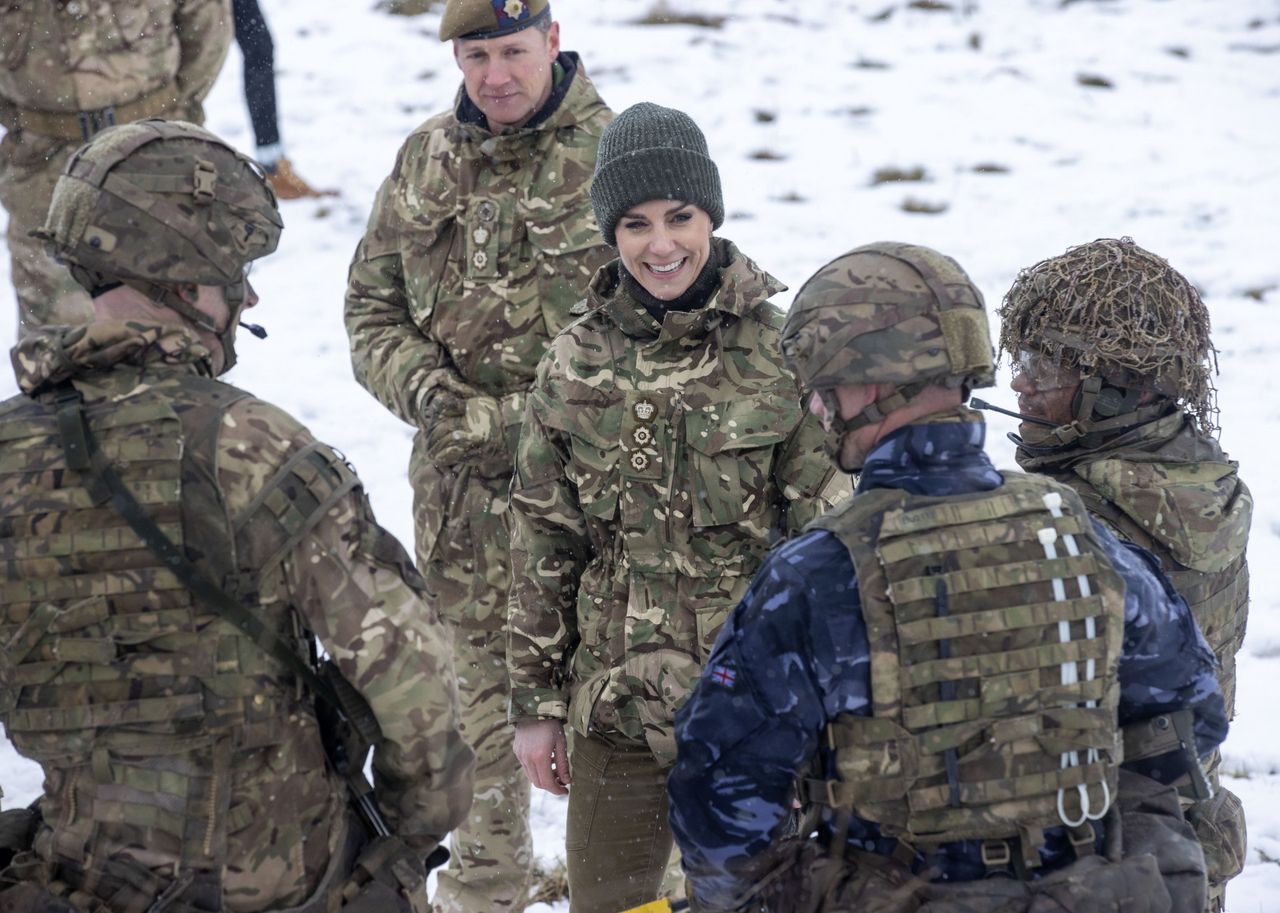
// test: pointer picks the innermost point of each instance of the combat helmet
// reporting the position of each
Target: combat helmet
(891, 313)
(155, 204)
(1128, 322)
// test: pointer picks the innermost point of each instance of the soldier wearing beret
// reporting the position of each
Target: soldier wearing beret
(481, 240)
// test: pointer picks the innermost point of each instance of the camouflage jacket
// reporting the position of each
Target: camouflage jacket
(477, 247)
(795, 655)
(85, 55)
(167, 736)
(657, 464)
(1170, 489)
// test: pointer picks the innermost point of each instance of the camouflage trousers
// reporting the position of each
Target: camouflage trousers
(29, 167)
(1220, 821)
(463, 551)
(1220, 827)
(491, 851)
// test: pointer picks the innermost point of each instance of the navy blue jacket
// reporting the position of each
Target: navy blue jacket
(794, 655)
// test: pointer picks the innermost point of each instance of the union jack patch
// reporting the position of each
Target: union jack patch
(723, 675)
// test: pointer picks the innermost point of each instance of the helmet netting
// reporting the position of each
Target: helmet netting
(1113, 309)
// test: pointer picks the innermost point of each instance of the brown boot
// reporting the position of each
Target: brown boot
(288, 185)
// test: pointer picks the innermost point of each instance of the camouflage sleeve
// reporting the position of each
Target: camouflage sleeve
(808, 480)
(793, 654)
(204, 30)
(1165, 663)
(358, 592)
(391, 357)
(549, 550)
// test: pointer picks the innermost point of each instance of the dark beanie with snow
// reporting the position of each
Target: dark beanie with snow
(649, 153)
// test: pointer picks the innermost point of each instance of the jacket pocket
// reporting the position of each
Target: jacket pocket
(139, 26)
(733, 446)
(567, 250)
(15, 32)
(593, 468)
(711, 600)
(428, 258)
(710, 619)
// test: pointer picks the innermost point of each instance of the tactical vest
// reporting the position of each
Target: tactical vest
(1216, 588)
(995, 624)
(147, 710)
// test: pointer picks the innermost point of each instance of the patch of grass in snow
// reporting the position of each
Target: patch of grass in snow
(549, 884)
(892, 174)
(661, 14)
(408, 7)
(924, 207)
(1094, 81)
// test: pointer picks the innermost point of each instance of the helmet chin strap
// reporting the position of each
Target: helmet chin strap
(235, 296)
(873, 413)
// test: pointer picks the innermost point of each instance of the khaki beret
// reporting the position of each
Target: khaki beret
(491, 18)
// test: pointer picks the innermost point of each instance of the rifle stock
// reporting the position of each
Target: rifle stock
(345, 729)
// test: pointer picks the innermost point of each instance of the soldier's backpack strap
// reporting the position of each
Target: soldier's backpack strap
(106, 487)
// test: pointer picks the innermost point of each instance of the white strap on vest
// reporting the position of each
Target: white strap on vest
(1070, 674)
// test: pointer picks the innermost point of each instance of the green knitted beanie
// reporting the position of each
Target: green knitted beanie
(653, 153)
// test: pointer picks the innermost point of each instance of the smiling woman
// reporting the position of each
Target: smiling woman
(664, 246)
(657, 194)
(663, 450)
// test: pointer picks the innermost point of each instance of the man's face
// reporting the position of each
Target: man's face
(1045, 390)
(509, 78)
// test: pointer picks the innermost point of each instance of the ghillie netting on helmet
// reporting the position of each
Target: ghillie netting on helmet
(1112, 309)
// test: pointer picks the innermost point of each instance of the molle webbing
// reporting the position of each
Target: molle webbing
(307, 467)
(1219, 601)
(112, 679)
(302, 491)
(138, 702)
(993, 658)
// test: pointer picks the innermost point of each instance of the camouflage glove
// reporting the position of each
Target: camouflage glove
(462, 427)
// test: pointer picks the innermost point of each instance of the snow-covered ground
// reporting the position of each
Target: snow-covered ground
(1037, 124)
